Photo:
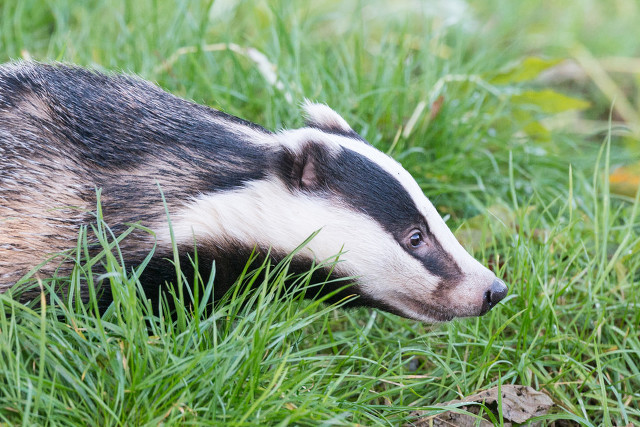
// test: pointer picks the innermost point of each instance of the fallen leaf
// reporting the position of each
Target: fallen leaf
(435, 107)
(625, 180)
(519, 404)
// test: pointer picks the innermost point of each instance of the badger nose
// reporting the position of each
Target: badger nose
(493, 295)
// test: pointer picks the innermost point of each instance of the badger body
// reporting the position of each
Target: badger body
(231, 188)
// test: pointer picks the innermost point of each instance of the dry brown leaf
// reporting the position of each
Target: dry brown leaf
(436, 106)
(519, 404)
(625, 180)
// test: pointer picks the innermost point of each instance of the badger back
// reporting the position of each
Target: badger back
(230, 186)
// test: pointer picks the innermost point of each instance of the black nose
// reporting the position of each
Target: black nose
(493, 295)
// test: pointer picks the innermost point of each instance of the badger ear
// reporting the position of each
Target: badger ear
(322, 117)
(303, 169)
(309, 175)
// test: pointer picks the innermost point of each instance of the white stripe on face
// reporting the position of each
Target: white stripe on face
(476, 274)
(266, 214)
(296, 138)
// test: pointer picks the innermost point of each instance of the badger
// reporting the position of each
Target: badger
(206, 181)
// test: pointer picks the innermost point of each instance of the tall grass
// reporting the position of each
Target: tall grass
(566, 245)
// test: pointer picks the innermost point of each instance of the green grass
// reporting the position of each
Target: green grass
(566, 245)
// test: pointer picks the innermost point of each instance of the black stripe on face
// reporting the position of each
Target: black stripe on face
(440, 263)
(364, 186)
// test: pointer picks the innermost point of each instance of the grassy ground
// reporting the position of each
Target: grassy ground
(444, 88)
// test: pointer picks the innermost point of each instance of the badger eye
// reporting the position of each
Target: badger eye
(416, 239)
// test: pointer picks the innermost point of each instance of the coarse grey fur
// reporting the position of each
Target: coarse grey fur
(66, 132)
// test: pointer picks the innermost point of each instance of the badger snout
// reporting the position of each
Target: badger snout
(492, 296)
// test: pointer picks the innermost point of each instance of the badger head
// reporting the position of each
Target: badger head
(366, 206)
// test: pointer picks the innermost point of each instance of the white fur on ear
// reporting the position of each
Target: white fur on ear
(323, 117)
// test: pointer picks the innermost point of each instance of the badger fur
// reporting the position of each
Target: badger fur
(230, 186)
